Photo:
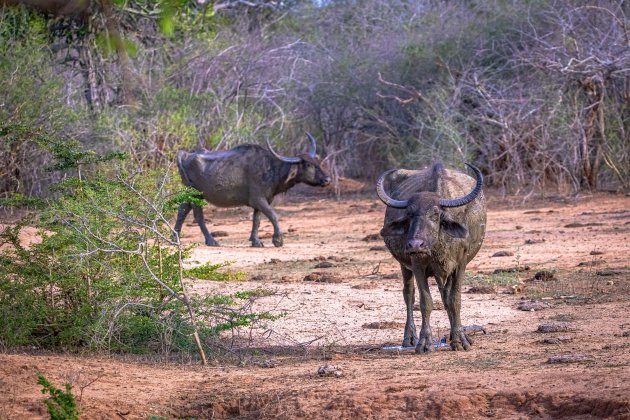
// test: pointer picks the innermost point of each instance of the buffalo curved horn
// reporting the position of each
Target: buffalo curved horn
(398, 204)
(312, 151)
(283, 158)
(461, 201)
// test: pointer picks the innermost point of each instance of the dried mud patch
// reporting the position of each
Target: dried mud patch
(402, 401)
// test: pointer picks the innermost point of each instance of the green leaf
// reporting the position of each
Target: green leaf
(131, 47)
(167, 24)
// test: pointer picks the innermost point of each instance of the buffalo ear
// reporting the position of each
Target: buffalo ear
(453, 228)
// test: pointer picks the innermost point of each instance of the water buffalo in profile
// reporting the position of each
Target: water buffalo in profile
(434, 225)
(247, 175)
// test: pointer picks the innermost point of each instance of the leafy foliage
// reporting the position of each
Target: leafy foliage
(392, 83)
(106, 273)
(61, 404)
(209, 272)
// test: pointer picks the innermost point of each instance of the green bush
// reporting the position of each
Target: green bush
(61, 404)
(107, 274)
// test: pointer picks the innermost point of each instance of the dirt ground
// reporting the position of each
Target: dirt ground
(341, 318)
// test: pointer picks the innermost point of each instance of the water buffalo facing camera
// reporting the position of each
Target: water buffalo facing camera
(434, 225)
(247, 175)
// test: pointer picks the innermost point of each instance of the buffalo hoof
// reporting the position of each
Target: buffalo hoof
(257, 244)
(425, 345)
(410, 341)
(460, 341)
(277, 241)
(212, 243)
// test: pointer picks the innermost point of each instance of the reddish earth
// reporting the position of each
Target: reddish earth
(345, 321)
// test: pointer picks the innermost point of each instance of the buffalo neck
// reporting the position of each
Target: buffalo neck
(287, 176)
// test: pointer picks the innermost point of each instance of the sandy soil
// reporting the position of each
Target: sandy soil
(346, 319)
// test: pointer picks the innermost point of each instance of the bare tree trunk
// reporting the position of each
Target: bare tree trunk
(126, 95)
(591, 148)
(191, 313)
(91, 89)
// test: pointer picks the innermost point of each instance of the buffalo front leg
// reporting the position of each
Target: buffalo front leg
(255, 224)
(409, 290)
(182, 212)
(198, 213)
(270, 213)
(452, 297)
(425, 342)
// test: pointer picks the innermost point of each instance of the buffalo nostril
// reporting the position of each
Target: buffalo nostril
(326, 181)
(414, 245)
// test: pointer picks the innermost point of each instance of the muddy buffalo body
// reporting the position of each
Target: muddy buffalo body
(247, 175)
(434, 225)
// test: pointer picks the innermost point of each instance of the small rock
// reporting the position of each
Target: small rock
(324, 264)
(220, 234)
(595, 252)
(544, 276)
(274, 261)
(570, 358)
(503, 254)
(578, 224)
(473, 329)
(626, 334)
(534, 241)
(533, 305)
(372, 237)
(322, 278)
(557, 340)
(518, 227)
(556, 327)
(607, 273)
(481, 289)
(329, 370)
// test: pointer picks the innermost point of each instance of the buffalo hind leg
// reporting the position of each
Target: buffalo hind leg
(198, 213)
(410, 339)
(256, 242)
(425, 342)
(270, 213)
(182, 212)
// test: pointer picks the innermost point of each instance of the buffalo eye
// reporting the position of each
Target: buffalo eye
(434, 214)
(453, 228)
(396, 227)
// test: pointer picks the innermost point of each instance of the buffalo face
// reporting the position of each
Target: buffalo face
(310, 172)
(308, 165)
(421, 224)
